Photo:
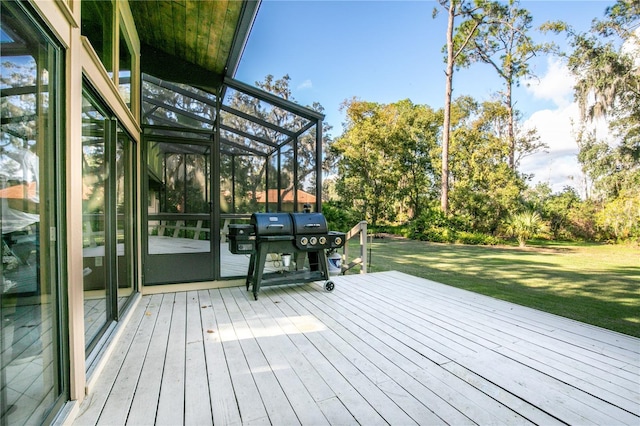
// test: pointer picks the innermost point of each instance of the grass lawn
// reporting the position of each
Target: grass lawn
(593, 283)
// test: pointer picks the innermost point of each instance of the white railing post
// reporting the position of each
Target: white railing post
(363, 247)
(361, 230)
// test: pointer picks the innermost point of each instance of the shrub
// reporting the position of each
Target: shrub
(620, 218)
(431, 218)
(339, 217)
(476, 238)
(432, 225)
(525, 226)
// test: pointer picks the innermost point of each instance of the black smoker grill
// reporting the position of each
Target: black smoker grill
(300, 235)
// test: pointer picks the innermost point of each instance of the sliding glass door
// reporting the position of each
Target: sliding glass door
(94, 219)
(108, 176)
(33, 379)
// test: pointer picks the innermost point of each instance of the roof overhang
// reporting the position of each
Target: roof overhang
(193, 42)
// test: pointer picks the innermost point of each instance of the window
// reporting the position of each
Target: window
(97, 26)
(104, 23)
(33, 381)
(125, 206)
(125, 67)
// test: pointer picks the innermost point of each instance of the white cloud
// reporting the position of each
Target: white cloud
(556, 127)
(559, 166)
(631, 47)
(307, 84)
(556, 85)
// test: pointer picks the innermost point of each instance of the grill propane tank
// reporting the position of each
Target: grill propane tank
(335, 263)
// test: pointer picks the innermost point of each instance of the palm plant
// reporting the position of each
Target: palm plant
(525, 225)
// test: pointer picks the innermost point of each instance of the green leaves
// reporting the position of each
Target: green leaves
(498, 34)
(605, 63)
(484, 187)
(525, 226)
(621, 216)
(387, 158)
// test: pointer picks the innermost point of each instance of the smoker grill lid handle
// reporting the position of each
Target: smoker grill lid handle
(277, 225)
(312, 225)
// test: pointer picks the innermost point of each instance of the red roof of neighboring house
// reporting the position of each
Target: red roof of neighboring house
(19, 192)
(287, 196)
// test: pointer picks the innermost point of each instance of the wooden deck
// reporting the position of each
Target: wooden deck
(384, 348)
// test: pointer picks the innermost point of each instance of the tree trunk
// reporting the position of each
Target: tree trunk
(446, 127)
(510, 128)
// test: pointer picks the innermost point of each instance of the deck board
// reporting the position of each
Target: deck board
(197, 410)
(327, 366)
(93, 405)
(378, 363)
(221, 388)
(472, 402)
(594, 357)
(296, 392)
(129, 374)
(250, 406)
(383, 348)
(275, 400)
(361, 373)
(171, 404)
(145, 401)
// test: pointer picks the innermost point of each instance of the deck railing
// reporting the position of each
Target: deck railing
(359, 230)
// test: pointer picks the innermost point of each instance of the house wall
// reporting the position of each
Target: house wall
(81, 61)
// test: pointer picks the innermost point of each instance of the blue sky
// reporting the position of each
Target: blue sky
(385, 51)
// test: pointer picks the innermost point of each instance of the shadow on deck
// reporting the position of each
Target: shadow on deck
(382, 348)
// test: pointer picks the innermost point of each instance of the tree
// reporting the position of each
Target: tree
(484, 188)
(557, 209)
(366, 178)
(454, 9)
(501, 40)
(621, 217)
(605, 64)
(605, 61)
(387, 156)
(416, 130)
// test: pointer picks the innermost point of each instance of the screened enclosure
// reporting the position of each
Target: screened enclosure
(212, 159)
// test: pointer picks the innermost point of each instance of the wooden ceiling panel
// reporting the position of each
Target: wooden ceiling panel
(179, 20)
(196, 31)
(192, 17)
(226, 41)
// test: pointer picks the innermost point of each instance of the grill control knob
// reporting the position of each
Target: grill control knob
(338, 241)
(322, 240)
(304, 241)
(313, 241)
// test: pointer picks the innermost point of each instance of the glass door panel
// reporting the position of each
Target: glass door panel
(240, 185)
(31, 347)
(125, 223)
(95, 173)
(179, 213)
(108, 185)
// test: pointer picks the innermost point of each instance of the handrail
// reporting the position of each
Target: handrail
(361, 230)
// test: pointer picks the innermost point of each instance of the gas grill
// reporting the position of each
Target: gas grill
(296, 236)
